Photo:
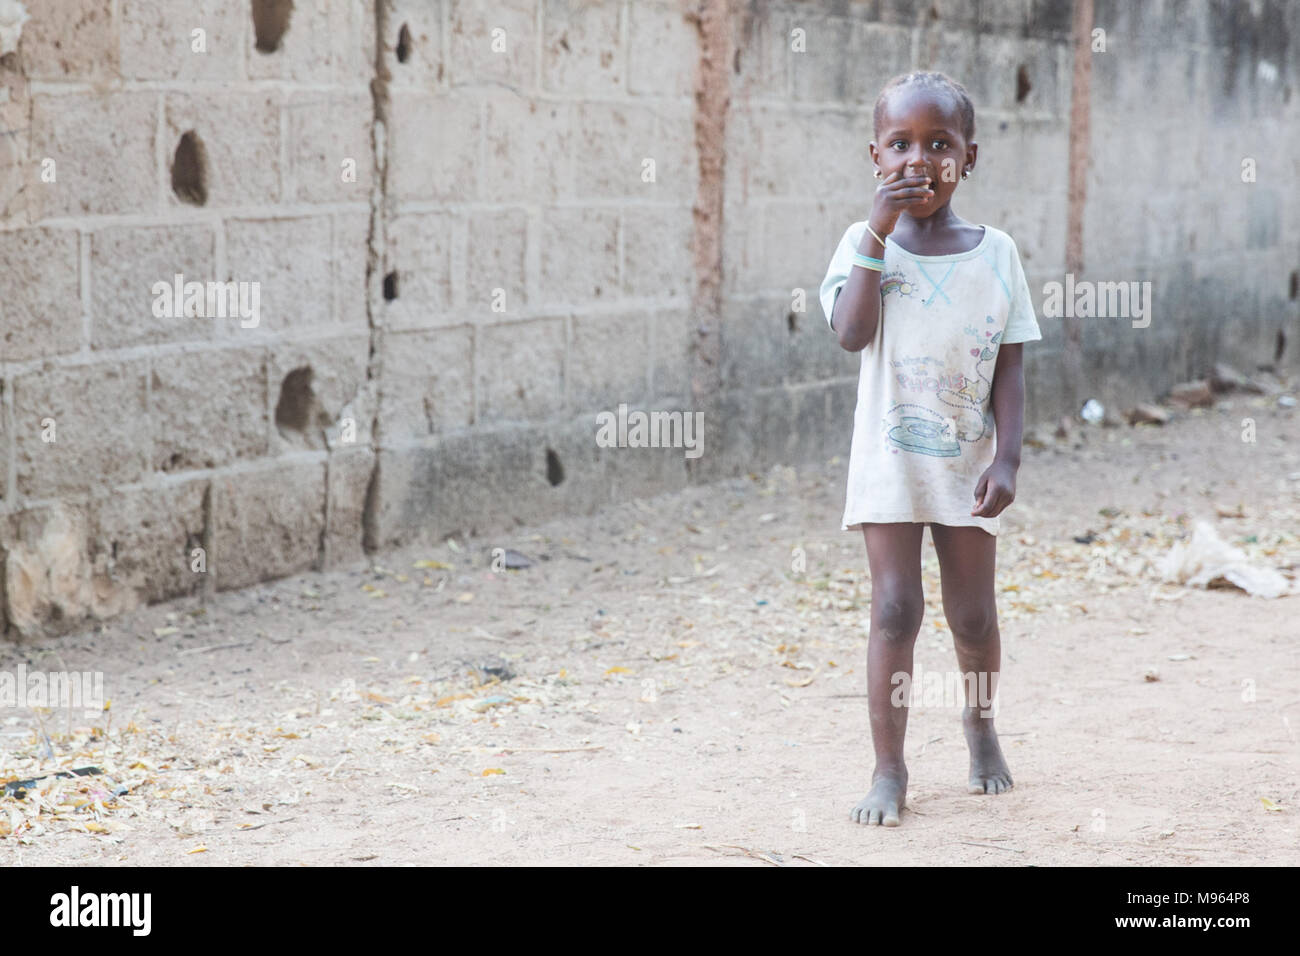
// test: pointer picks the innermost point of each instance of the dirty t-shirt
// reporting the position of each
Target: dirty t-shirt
(923, 429)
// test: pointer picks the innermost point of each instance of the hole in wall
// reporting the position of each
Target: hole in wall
(1295, 285)
(403, 43)
(298, 412)
(190, 170)
(1279, 347)
(390, 286)
(270, 21)
(1022, 83)
(554, 470)
(792, 320)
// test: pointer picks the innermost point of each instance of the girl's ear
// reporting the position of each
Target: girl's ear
(971, 149)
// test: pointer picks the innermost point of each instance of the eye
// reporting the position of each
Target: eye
(897, 141)
(940, 144)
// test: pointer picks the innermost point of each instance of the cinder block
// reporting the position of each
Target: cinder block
(487, 480)
(582, 52)
(426, 162)
(143, 538)
(240, 133)
(670, 354)
(523, 126)
(846, 60)
(15, 110)
(631, 471)
(420, 249)
(70, 40)
(608, 362)
(267, 523)
(793, 250)
(125, 264)
(330, 156)
(351, 249)
(5, 433)
(612, 143)
(663, 51)
(480, 54)
(100, 428)
(753, 431)
(161, 41)
(497, 247)
(755, 346)
(311, 49)
(579, 255)
(427, 384)
(209, 408)
(290, 258)
(350, 472)
(812, 352)
(994, 80)
(519, 368)
(742, 244)
(676, 158)
(338, 410)
(761, 62)
(423, 66)
(40, 294)
(772, 152)
(657, 254)
(102, 145)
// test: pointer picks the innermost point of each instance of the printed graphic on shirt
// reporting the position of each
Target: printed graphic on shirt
(939, 432)
(922, 430)
(895, 280)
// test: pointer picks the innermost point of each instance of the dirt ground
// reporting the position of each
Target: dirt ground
(684, 683)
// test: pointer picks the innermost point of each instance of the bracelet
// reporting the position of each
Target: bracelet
(867, 262)
(873, 234)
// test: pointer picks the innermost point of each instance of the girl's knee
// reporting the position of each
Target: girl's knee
(973, 621)
(897, 617)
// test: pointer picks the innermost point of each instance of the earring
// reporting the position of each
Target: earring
(965, 174)
(877, 173)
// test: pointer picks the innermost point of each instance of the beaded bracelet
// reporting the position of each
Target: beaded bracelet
(867, 262)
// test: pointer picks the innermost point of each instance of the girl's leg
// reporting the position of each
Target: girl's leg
(967, 557)
(897, 604)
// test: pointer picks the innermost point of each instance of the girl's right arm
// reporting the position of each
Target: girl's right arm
(856, 314)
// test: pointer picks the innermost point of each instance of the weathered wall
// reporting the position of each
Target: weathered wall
(475, 225)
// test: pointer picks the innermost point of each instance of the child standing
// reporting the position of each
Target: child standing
(939, 308)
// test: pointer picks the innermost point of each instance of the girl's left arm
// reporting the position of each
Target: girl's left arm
(997, 486)
(1009, 402)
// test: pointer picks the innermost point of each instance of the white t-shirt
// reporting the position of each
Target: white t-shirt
(923, 429)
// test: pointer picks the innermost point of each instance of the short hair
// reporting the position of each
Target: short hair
(938, 82)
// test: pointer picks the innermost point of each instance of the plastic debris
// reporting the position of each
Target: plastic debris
(18, 788)
(1209, 561)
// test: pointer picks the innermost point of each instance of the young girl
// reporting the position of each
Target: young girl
(939, 308)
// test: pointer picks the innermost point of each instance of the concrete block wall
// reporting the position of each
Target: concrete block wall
(475, 226)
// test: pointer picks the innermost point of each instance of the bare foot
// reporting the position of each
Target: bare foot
(988, 768)
(884, 800)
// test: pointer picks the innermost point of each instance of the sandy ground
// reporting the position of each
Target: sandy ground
(680, 689)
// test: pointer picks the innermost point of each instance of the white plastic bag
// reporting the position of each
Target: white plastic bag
(1206, 557)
